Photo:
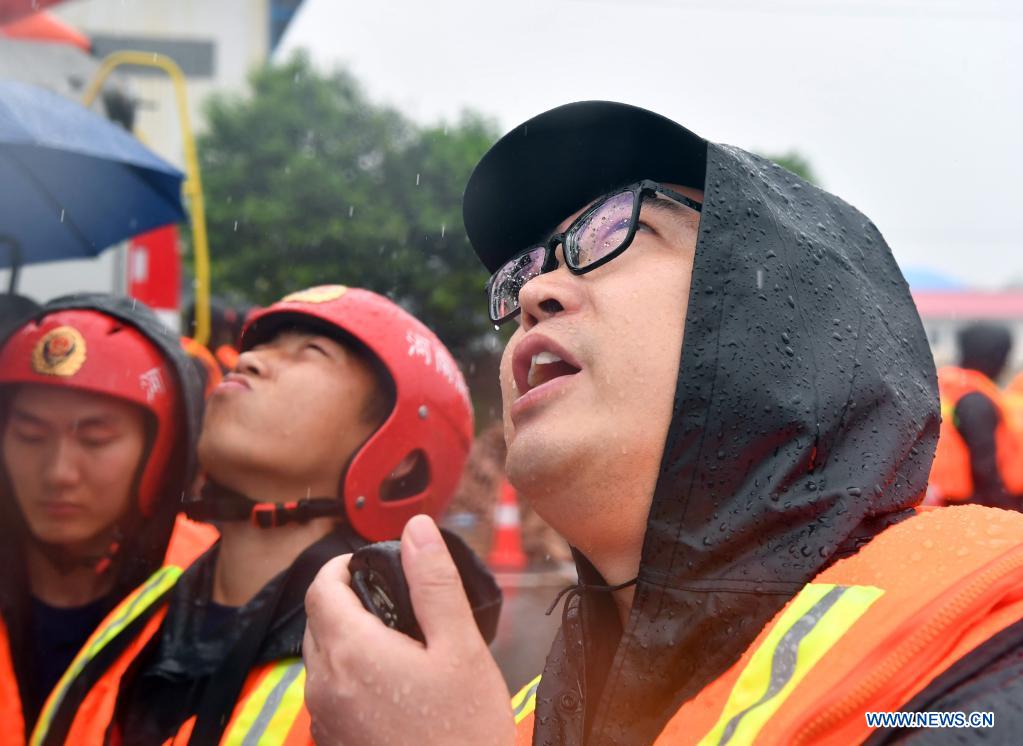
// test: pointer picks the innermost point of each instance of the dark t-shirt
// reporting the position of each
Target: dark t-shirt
(57, 635)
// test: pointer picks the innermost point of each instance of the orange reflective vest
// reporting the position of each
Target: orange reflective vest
(1014, 401)
(188, 540)
(270, 710)
(1016, 384)
(951, 479)
(13, 732)
(866, 635)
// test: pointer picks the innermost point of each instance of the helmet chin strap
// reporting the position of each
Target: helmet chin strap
(66, 562)
(218, 503)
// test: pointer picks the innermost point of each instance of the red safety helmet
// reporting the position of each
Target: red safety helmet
(432, 415)
(89, 351)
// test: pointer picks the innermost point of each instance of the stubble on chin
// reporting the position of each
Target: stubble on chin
(540, 466)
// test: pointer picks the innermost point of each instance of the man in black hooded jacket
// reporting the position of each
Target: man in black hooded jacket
(751, 565)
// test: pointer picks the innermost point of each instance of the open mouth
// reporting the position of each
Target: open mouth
(546, 366)
(539, 360)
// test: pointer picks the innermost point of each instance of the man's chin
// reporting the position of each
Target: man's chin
(225, 443)
(539, 461)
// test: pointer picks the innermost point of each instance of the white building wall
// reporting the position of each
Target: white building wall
(236, 34)
(237, 30)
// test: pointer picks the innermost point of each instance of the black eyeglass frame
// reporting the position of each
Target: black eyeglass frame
(640, 190)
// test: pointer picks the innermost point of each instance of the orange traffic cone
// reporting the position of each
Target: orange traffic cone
(506, 551)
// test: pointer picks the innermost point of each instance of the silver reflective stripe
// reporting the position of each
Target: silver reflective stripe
(530, 693)
(270, 704)
(783, 662)
(115, 625)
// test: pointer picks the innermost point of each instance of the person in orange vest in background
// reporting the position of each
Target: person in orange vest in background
(345, 417)
(99, 413)
(979, 458)
(1014, 401)
(719, 391)
(227, 318)
(205, 363)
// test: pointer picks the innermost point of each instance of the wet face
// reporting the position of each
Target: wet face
(585, 434)
(289, 417)
(72, 458)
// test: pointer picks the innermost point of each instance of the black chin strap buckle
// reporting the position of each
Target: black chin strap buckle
(272, 515)
(218, 503)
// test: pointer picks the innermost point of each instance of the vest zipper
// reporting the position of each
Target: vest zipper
(896, 662)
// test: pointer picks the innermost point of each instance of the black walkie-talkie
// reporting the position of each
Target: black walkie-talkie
(379, 582)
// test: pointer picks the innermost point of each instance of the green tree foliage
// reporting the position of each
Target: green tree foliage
(795, 162)
(308, 182)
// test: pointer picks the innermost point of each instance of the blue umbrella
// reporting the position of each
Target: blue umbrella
(73, 183)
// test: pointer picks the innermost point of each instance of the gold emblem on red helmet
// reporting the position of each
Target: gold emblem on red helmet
(61, 352)
(319, 294)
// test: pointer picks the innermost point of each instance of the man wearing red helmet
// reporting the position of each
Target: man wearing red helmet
(344, 417)
(99, 413)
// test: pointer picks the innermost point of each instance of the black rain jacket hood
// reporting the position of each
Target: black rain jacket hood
(804, 420)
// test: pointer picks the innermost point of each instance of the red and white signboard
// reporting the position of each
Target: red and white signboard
(154, 271)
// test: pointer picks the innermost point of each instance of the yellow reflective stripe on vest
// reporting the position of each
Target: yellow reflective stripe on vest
(270, 709)
(134, 604)
(524, 702)
(814, 621)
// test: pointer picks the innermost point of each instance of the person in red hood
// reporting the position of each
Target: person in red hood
(719, 391)
(99, 412)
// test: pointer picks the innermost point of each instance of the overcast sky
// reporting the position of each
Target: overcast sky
(909, 109)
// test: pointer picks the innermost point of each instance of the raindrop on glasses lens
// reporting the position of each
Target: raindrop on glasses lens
(602, 231)
(509, 280)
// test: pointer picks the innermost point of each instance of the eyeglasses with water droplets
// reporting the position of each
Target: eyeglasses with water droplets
(593, 239)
